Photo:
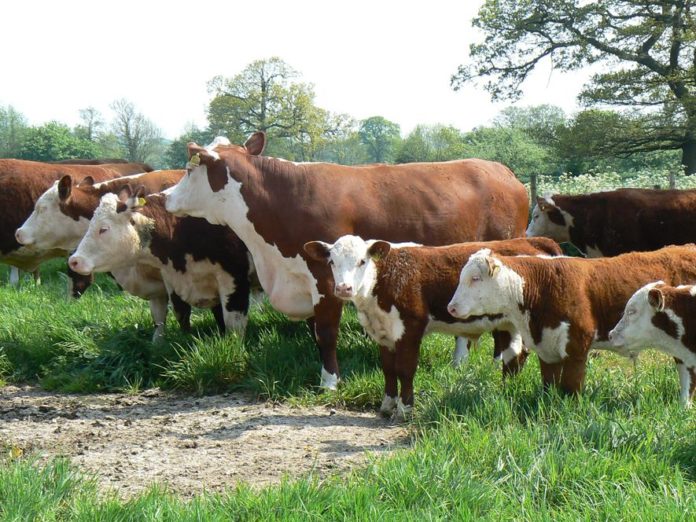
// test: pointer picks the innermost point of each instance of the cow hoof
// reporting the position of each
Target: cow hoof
(388, 406)
(403, 411)
(329, 381)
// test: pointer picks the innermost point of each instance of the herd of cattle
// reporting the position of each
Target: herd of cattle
(315, 235)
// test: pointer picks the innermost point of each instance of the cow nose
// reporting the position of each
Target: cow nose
(74, 263)
(452, 310)
(20, 237)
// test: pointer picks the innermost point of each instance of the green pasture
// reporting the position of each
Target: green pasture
(481, 448)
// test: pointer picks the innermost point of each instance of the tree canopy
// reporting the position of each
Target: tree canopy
(648, 47)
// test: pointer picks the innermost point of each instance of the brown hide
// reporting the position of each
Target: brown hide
(420, 282)
(629, 220)
(590, 294)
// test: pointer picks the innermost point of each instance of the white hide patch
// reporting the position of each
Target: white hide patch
(386, 328)
(388, 405)
(204, 284)
(593, 252)
(553, 345)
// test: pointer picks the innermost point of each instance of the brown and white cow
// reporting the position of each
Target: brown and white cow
(401, 293)
(201, 264)
(276, 206)
(563, 306)
(21, 184)
(617, 221)
(664, 317)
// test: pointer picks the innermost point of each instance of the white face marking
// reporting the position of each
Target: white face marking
(635, 330)
(48, 228)
(354, 271)
(111, 240)
(288, 282)
(480, 293)
(541, 225)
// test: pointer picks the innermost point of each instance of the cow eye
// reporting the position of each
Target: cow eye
(102, 230)
(331, 262)
(630, 311)
(361, 263)
(475, 279)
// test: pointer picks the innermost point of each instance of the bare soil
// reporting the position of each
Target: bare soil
(191, 444)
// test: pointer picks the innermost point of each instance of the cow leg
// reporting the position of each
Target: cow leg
(550, 373)
(219, 317)
(327, 318)
(37, 276)
(78, 283)
(236, 307)
(510, 350)
(182, 311)
(687, 382)
(573, 374)
(158, 308)
(407, 350)
(14, 276)
(461, 350)
(391, 387)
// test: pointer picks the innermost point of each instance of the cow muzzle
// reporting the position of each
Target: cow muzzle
(344, 291)
(23, 238)
(80, 265)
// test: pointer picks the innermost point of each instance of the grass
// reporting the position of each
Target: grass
(482, 449)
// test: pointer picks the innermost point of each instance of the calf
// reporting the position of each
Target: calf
(563, 306)
(617, 221)
(664, 317)
(401, 294)
(201, 264)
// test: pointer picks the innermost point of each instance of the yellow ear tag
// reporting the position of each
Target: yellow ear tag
(195, 159)
(141, 202)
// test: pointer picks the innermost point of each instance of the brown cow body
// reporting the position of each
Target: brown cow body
(618, 221)
(21, 184)
(277, 206)
(664, 317)
(405, 297)
(563, 306)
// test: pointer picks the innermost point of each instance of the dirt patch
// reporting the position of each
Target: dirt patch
(129, 442)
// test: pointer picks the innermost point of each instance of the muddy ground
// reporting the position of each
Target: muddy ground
(129, 442)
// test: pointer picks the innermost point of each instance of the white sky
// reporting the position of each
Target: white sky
(365, 58)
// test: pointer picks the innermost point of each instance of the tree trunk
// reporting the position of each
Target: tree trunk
(689, 155)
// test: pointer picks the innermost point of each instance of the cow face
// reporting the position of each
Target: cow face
(548, 220)
(352, 262)
(486, 287)
(207, 176)
(114, 236)
(47, 227)
(637, 328)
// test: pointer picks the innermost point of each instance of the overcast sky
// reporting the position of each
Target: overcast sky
(365, 58)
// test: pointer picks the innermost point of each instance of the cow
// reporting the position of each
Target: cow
(664, 317)
(401, 294)
(618, 221)
(276, 206)
(21, 184)
(200, 264)
(563, 306)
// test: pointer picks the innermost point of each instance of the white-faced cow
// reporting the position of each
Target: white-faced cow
(664, 317)
(21, 184)
(617, 221)
(276, 206)
(563, 306)
(201, 264)
(401, 294)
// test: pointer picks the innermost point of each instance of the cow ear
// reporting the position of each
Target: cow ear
(656, 299)
(194, 153)
(86, 182)
(543, 204)
(125, 193)
(64, 187)
(256, 143)
(493, 267)
(137, 200)
(317, 250)
(378, 249)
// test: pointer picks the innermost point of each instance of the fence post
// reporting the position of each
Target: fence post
(533, 189)
(672, 180)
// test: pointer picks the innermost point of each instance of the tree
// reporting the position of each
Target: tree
(138, 137)
(380, 136)
(54, 141)
(266, 97)
(13, 126)
(648, 45)
(431, 143)
(92, 123)
(176, 154)
(539, 122)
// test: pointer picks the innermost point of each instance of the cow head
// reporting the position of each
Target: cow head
(486, 287)
(114, 237)
(207, 174)
(645, 320)
(352, 262)
(549, 220)
(48, 227)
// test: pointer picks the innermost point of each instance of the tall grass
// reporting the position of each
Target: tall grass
(482, 448)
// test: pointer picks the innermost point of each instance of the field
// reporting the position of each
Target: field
(238, 429)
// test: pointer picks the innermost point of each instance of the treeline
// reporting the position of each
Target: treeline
(269, 95)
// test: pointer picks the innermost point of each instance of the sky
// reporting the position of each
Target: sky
(364, 58)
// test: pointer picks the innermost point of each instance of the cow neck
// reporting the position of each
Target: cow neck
(588, 219)
(683, 304)
(154, 226)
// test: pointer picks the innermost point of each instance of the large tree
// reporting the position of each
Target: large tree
(13, 126)
(54, 141)
(380, 136)
(138, 137)
(648, 46)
